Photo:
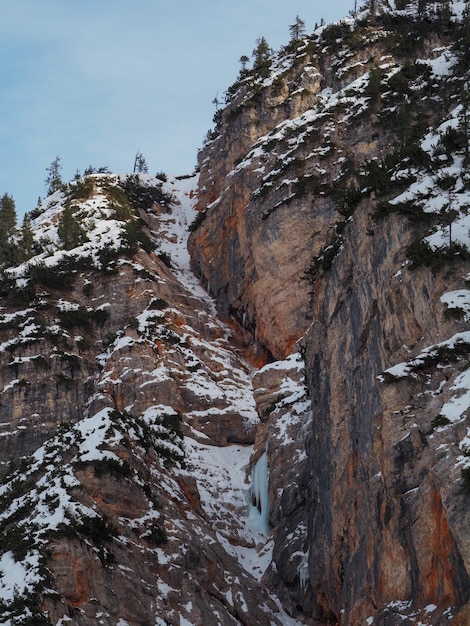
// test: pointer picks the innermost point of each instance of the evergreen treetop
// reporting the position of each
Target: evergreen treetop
(8, 248)
(26, 240)
(262, 57)
(7, 215)
(69, 230)
(54, 179)
(140, 164)
(297, 29)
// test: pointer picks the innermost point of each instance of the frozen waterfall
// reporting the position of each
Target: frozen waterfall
(258, 514)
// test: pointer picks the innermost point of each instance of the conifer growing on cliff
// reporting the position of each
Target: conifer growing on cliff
(69, 230)
(297, 29)
(54, 179)
(26, 241)
(262, 57)
(7, 228)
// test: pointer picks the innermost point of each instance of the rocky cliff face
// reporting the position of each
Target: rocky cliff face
(127, 425)
(273, 427)
(329, 220)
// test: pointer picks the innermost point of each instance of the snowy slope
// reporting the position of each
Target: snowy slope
(143, 458)
(174, 395)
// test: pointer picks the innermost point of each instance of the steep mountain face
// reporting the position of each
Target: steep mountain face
(127, 420)
(268, 423)
(339, 221)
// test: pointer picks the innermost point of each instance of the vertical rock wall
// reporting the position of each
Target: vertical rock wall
(374, 523)
(379, 522)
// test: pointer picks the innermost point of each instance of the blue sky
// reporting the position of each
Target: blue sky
(94, 81)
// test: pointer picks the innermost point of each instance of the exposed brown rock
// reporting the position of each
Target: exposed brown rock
(368, 519)
(372, 515)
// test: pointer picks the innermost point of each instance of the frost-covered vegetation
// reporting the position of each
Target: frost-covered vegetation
(88, 285)
(406, 93)
(65, 328)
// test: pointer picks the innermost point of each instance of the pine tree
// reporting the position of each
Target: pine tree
(262, 57)
(7, 215)
(373, 10)
(54, 180)
(447, 218)
(242, 74)
(464, 41)
(374, 86)
(421, 7)
(297, 29)
(465, 121)
(444, 13)
(373, 6)
(140, 164)
(69, 230)
(26, 240)
(7, 229)
(466, 22)
(243, 61)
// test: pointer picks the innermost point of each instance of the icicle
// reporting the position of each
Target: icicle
(258, 515)
(302, 570)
